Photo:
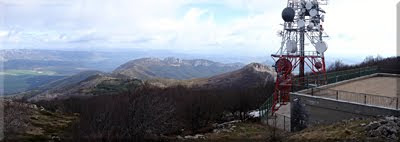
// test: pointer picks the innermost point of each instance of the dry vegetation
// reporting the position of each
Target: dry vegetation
(150, 112)
(27, 122)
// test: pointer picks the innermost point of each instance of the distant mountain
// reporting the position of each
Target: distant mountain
(91, 83)
(172, 68)
(251, 75)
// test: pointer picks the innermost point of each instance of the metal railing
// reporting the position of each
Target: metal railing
(279, 121)
(311, 81)
(265, 108)
(362, 98)
(334, 77)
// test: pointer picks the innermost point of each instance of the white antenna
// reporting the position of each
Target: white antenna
(304, 17)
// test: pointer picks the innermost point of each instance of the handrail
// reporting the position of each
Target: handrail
(337, 76)
(363, 98)
(266, 107)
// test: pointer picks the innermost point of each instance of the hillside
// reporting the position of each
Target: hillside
(251, 75)
(29, 122)
(91, 83)
(172, 68)
(86, 83)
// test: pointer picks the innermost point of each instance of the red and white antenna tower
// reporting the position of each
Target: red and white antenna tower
(303, 26)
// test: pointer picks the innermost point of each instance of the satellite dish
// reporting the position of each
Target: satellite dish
(288, 14)
(310, 26)
(309, 5)
(321, 46)
(301, 23)
(291, 46)
(313, 12)
(283, 66)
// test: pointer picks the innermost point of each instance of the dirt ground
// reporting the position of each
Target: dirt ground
(383, 86)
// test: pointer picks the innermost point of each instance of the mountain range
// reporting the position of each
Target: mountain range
(26, 69)
(172, 68)
(91, 83)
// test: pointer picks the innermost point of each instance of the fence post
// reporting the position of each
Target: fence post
(284, 122)
(397, 103)
(337, 95)
(312, 91)
(336, 77)
(365, 98)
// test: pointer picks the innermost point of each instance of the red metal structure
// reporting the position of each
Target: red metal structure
(303, 18)
(286, 81)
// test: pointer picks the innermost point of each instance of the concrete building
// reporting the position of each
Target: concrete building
(367, 96)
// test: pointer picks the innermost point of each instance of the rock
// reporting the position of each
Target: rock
(373, 125)
(394, 137)
(55, 138)
(391, 118)
(374, 133)
(387, 128)
(179, 137)
(199, 136)
(383, 122)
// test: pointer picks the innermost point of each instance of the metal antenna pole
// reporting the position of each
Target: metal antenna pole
(301, 66)
(303, 19)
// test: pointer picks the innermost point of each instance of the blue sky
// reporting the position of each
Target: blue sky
(357, 28)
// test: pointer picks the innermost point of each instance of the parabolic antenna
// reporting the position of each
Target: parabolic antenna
(291, 46)
(313, 12)
(301, 23)
(310, 26)
(283, 66)
(288, 14)
(321, 47)
(309, 5)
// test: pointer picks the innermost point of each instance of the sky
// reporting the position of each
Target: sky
(357, 28)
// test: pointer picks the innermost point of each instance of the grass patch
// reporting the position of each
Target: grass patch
(347, 130)
(246, 131)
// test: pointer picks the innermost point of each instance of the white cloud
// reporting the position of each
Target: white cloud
(356, 27)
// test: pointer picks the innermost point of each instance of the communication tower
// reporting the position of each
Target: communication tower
(302, 47)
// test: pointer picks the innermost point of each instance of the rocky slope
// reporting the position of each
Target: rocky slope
(29, 122)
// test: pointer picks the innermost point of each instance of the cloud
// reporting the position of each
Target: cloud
(236, 27)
